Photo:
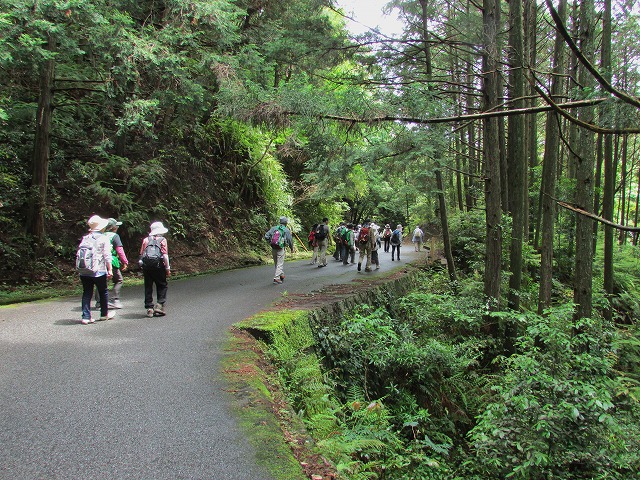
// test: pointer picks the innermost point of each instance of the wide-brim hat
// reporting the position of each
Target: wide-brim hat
(97, 223)
(284, 220)
(113, 223)
(157, 228)
(387, 226)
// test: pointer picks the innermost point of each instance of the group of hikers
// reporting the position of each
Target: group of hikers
(101, 257)
(348, 239)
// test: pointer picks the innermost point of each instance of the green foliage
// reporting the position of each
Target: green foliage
(467, 240)
(557, 410)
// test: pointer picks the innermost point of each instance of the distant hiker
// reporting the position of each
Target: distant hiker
(154, 260)
(348, 245)
(279, 237)
(396, 241)
(322, 235)
(337, 240)
(119, 262)
(365, 241)
(93, 262)
(417, 238)
(375, 259)
(386, 237)
(313, 244)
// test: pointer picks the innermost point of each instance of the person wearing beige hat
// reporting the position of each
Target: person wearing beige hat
(154, 260)
(93, 262)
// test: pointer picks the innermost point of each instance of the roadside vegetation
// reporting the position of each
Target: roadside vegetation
(415, 387)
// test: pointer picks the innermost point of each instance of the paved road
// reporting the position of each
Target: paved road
(134, 397)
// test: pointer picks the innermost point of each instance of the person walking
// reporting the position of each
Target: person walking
(375, 258)
(322, 239)
(93, 261)
(337, 240)
(119, 262)
(396, 242)
(386, 237)
(154, 260)
(417, 238)
(348, 245)
(366, 240)
(279, 237)
(313, 244)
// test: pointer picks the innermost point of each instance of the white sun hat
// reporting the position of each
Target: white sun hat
(157, 228)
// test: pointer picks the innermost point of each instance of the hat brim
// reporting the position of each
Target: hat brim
(159, 231)
(100, 225)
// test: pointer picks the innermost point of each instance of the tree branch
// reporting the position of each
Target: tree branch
(458, 118)
(593, 216)
(601, 80)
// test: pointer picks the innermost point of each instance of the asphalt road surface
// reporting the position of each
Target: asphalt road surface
(136, 397)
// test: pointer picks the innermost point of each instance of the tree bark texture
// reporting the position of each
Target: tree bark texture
(41, 150)
(491, 134)
(585, 162)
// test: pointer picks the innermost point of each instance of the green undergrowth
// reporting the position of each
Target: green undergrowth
(253, 404)
(404, 389)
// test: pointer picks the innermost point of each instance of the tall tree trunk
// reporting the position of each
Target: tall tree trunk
(623, 188)
(41, 150)
(583, 291)
(516, 153)
(492, 190)
(597, 186)
(530, 25)
(608, 195)
(442, 204)
(444, 221)
(549, 172)
(635, 218)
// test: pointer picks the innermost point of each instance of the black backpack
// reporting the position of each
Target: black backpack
(152, 256)
(321, 232)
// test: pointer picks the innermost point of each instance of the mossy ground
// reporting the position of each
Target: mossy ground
(278, 435)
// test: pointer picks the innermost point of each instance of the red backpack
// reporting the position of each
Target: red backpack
(363, 236)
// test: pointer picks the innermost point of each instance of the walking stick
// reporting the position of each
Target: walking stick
(301, 243)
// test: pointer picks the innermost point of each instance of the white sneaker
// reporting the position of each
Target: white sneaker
(87, 321)
(109, 316)
(149, 312)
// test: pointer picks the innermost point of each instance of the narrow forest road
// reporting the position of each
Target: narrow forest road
(136, 397)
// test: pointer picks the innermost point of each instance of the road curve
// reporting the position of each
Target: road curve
(136, 397)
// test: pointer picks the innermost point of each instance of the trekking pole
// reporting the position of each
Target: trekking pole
(301, 243)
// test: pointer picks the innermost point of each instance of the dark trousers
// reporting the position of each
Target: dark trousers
(338, 253)
(157, 276)
(386, 244)
(87, 292)
(393, 250)
(345, 254)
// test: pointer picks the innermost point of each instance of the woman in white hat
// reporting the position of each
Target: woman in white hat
(154, 260)
(93, 262)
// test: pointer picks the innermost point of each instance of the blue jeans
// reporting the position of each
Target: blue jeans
(87, 292)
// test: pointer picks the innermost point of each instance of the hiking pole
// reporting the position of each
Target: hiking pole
(305, 248)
